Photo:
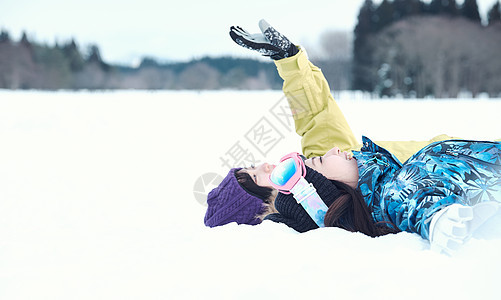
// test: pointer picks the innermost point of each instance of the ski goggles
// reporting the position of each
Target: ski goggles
(289, 177)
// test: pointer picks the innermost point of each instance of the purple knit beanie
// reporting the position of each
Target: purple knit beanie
(229, 202)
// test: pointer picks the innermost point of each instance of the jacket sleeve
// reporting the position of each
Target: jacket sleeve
(317, 117)
(413, 213)
(412, 195)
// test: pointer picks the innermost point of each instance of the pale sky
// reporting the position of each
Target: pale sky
(174, 30)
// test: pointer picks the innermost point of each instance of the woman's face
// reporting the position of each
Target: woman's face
(336, 165)
(261, 174)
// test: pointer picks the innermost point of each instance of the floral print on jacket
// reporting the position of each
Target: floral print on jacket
(407, 195)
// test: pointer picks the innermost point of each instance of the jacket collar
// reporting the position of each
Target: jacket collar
(370, 146)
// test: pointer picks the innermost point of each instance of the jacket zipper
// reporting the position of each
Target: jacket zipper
(455, 154)
(377, 159)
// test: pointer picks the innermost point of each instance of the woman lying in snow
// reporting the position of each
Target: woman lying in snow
(443, 191)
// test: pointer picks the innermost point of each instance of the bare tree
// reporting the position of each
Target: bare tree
(334, 57)
(335, 45)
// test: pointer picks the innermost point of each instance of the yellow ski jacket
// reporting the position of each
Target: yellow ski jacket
(317, 117)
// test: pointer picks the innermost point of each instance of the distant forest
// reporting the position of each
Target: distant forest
(406, 48)
(411, 48)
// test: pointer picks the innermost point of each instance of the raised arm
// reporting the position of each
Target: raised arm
(318, 119)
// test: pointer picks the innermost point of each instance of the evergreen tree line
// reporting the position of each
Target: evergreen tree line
(400, 47)
(413, 48)
(29, 65)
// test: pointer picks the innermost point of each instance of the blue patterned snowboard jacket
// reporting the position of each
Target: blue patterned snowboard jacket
(408, 195)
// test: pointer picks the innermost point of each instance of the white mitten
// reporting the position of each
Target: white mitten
(452, 226)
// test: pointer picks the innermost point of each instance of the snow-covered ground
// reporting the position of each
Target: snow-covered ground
(101, 198)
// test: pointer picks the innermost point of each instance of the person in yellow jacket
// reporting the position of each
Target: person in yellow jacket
(245, 195)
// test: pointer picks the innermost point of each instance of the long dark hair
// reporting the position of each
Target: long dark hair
(251, 187)
(349, 211)
(266, 194)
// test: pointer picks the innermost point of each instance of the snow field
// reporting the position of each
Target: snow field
(97, 202)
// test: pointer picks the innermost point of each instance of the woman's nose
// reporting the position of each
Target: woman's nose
(333, 151)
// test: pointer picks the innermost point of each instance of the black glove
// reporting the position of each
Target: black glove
(269, 43)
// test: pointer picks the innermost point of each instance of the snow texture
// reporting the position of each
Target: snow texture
(97, 202)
